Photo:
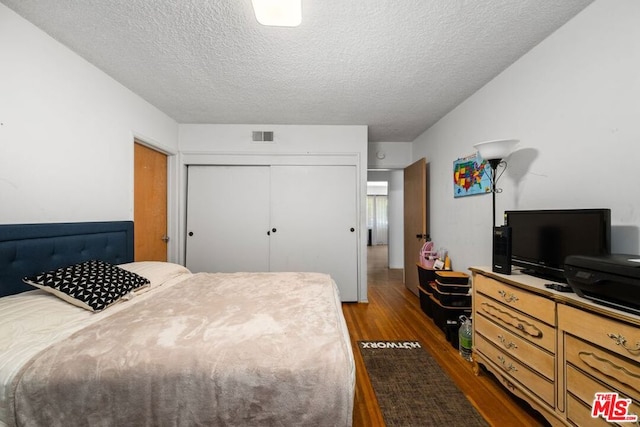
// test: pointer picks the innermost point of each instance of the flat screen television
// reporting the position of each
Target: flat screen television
(542, 239)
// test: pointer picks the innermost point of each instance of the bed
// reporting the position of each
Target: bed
(177, 349)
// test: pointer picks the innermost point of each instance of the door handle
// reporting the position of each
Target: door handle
(422, 236)
(165, 238)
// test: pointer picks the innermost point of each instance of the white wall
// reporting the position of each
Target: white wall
(66, 132)
(574, 102)
(293, 144)
(389, 155)
(396, 219)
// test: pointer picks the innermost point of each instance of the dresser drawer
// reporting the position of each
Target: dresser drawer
(537, 384)
(515, 346)
(585, 388)
(619, 337)
(519, 299)
(580, 414)
(518, 323)
(622, 374)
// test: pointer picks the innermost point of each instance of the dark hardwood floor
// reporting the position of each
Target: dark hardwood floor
(393, 313)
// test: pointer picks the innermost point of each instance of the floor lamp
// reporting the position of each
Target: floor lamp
(495, 152)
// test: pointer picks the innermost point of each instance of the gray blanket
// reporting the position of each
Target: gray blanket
(217, 349)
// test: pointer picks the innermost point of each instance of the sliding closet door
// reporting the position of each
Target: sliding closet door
(313, 213)
(228, 218)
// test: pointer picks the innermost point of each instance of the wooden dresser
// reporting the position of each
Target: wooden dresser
(554, 349)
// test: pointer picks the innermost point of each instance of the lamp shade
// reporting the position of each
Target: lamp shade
(498, 149)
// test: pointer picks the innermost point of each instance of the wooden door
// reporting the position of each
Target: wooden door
(314, 215)
(228, 218)
(415, 219)
(150, 204)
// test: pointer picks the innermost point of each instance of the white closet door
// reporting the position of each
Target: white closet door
(313, 210)
(228, 218)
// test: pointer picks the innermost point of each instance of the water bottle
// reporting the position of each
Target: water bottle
(464, 338)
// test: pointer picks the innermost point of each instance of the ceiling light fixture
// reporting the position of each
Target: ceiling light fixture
(278, 13)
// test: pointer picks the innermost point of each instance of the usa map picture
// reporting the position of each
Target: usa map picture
(471, 175)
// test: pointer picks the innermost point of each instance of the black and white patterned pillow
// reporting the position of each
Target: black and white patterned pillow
(93, 285)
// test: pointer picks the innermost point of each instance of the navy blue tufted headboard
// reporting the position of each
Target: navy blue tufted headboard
(27, 249)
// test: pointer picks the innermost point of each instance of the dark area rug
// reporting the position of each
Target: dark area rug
(412, 389)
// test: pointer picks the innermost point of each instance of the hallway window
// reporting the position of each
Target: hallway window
(377, 219)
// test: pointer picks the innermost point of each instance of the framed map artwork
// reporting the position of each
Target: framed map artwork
(471, 175)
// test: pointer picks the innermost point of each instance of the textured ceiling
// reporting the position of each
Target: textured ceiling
(395, 65)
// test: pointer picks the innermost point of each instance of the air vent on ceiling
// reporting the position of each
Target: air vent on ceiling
(262, 136)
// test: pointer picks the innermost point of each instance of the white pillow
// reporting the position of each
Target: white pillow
(157, 272)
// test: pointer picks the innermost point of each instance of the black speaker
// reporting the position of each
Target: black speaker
(502, 249)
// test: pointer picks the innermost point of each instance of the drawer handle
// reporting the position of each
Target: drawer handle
(509, 384)
(513, 321)
(510, 367)
(622, 342)
(508, 345)
(610, 369)
(510, 298)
